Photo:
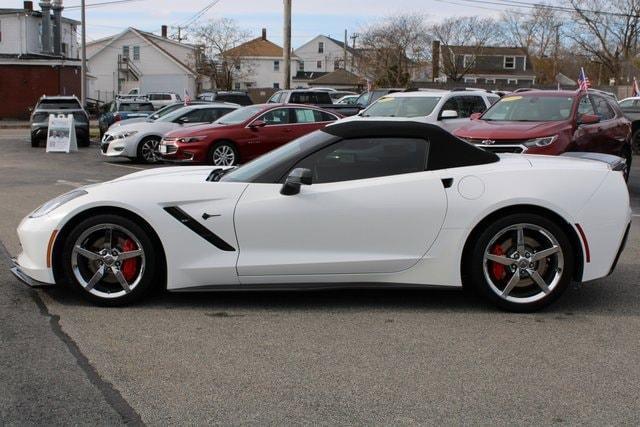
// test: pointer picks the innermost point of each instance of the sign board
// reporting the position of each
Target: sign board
(61, 134)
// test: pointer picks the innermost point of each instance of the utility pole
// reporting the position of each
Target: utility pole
(287, 44)
(83, 72)
(344, 50)
(354, 36)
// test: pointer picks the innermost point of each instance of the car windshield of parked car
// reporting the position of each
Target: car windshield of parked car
(59, 104)
(239, 116)
(174, 114)
(530, 109)
(165, 110)
(136, 106)
(414, 106)
(285, 153)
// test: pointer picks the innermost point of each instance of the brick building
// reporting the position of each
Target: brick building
(38, 56)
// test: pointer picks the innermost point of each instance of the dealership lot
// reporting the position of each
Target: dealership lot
(351, 357)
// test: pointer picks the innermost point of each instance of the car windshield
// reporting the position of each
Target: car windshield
(165, 110)
(59, 104)
(530, 109)
(249, 171)
(239, 116)
(135, 106)
(174, 114)
(390, 106)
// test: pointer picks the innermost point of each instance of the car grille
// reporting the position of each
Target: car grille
(499, 146)
(104, 147)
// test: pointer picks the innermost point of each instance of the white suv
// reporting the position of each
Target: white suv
(447, 109)
(161, 99)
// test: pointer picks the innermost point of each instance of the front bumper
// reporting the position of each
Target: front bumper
(25, 278)
(171, 151)
(117, 147)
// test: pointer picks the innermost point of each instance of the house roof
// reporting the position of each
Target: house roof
(487, 50)
(150, 38)
(341, 44)
(35, 13)
(258, 47)
(339, 77)
(309, 75)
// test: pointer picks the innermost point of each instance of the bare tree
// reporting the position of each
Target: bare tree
(607, 31)
(470, 31)
(221, 38)
(392, 50)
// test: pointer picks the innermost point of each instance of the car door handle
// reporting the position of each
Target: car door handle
(206, 216)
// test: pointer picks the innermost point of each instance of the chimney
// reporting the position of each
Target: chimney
(28, 5)
(264, 34)
(435, 59)
(164, 31)
(57, 26)
(45, 5)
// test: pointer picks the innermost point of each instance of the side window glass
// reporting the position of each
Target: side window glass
(321, 116)
(304, 115)
(364, 158)
(585, 106)
(470, 105)
(275, 97)
(603, 109)
(194, 116)
(451, 104)
(493, 99)
(276, 117)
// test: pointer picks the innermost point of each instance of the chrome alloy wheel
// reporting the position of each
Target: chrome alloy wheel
(149, 150)
(108, 260)
(523, 263)
(224, 155)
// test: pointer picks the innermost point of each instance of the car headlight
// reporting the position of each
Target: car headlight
(191, 139)
(56, 203)
(541, 142)
(126, 134)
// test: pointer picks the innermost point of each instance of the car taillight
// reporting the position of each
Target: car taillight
(117, 117)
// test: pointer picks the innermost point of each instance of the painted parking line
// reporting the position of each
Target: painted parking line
(125, 166)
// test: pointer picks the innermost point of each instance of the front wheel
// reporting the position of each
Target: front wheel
(148, 150)
(627, 155)
(110, 259)
(521, 262)
(223, 154)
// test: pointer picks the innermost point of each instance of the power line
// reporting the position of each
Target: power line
(106, 3)
(564, 9)
(199, 14)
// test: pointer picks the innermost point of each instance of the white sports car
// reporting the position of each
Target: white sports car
(140, 140)
(355, 204)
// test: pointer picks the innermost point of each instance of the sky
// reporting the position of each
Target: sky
(309, 17)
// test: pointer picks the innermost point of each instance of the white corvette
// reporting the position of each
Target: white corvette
(355, 204)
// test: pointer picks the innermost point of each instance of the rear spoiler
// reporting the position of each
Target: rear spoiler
(615, 163)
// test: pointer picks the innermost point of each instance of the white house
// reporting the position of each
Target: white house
(324, 54)
(260, 64)
(136, 58)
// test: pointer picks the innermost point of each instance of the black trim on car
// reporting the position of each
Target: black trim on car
(622, 245)
(198, 228)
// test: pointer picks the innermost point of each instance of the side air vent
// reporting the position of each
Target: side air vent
(198, 228)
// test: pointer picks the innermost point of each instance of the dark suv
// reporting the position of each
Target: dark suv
(236, 97)
(58, 105)
(123, 109)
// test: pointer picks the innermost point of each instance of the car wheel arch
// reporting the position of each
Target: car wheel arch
(224, 140)
(568, 228)
(80, 216)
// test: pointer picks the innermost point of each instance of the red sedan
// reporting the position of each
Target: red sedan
(243, 134)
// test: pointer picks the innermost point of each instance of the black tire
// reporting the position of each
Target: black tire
(143, 153)
(226, 147)
(85, 142)
(525, 295)
(35, 142)
(627, 155)
(148, 267)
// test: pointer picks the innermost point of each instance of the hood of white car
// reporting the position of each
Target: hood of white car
(148, 127)
(169, 174)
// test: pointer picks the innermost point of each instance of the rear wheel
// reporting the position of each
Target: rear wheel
(521, 262)
(627, 154)
(110, 259)
(148, 149)
(223, 154)
(35, 142)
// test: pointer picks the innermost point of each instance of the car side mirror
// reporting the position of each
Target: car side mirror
(588, 119)
(183, 120)
(297, 178)
(360, 106)
(257, 124)
(475, 116)
(449, 114)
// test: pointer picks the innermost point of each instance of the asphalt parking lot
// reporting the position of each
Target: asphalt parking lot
(326, 357)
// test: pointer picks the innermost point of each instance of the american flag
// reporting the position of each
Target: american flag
(635, 91)
(583, 80)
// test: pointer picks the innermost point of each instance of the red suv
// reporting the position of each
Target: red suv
(552, 122)
(243, 134)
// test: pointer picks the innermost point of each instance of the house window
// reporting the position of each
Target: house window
(319, 64)
(301, 65)
(470, 80)
(136, 53)
(276, 85)
(467, 61)
(510, 62)
(64, 49)
(237, 86)
(320, 47)
(276, 65)
(512, 81)
(492, 81)
(125, 51)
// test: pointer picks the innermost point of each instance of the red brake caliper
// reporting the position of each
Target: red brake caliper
(497, 270)
(129, 266)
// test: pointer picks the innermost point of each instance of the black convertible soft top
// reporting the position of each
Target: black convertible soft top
(446, 151)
